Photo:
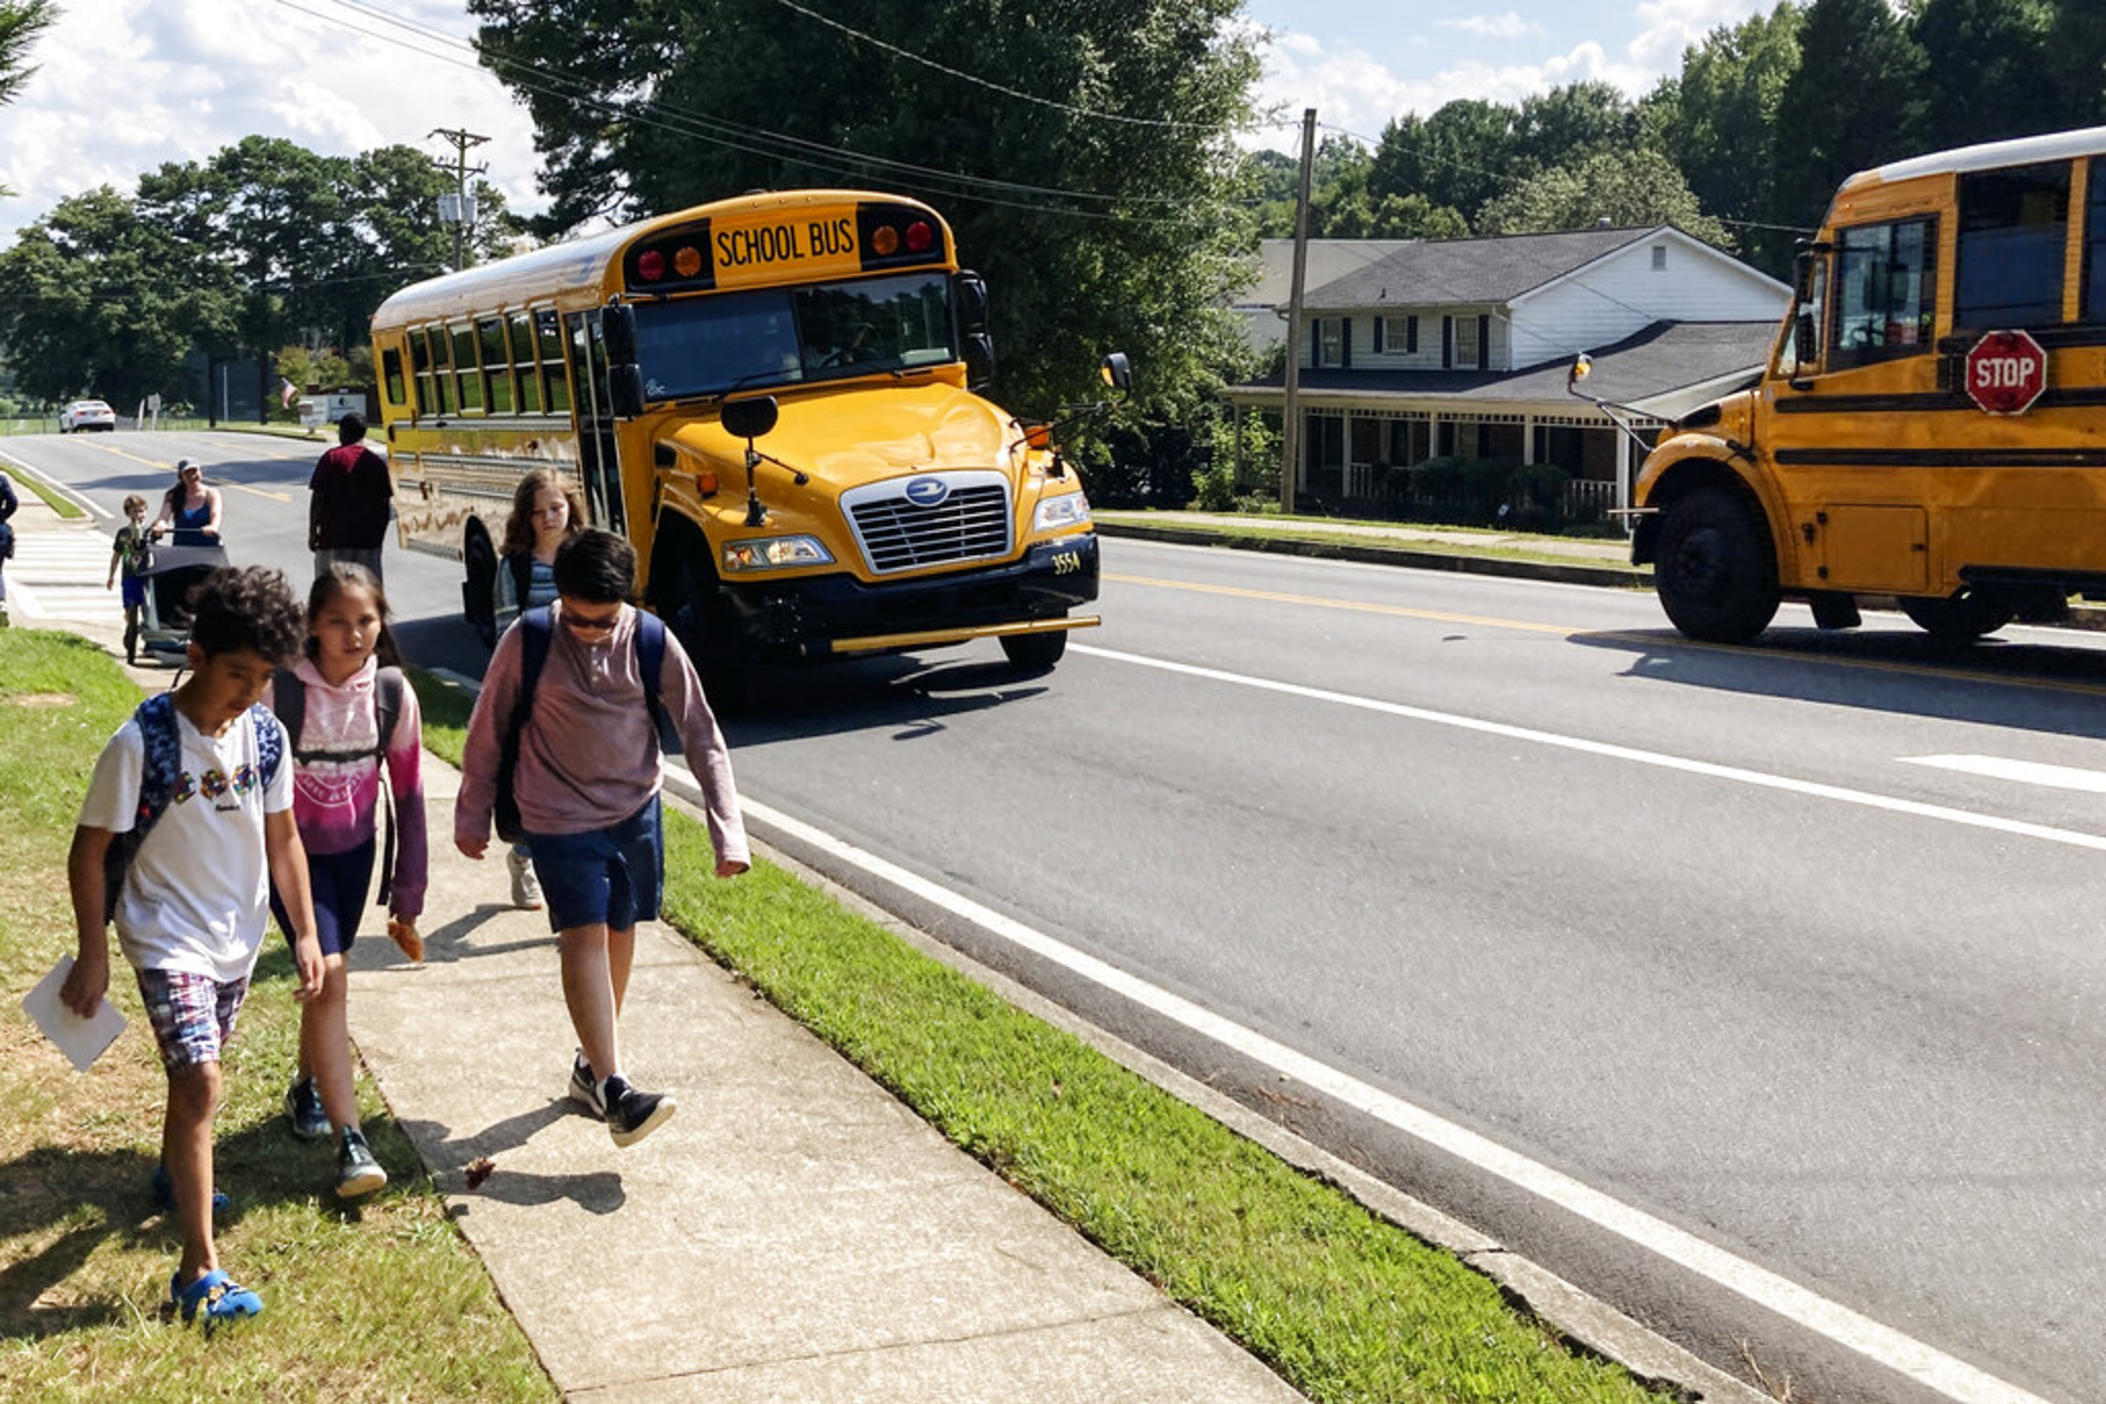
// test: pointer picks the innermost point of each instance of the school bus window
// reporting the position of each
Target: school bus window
(2095, 243)
(2014, 226)
(1886, 291)
(466, 372)
(441, 368)
(497, 366)
(1800, 353)
(555, 386)
(420, 363)
(525, 368)
(391, 375)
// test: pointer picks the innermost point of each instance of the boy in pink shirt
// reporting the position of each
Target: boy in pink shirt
(586, 782)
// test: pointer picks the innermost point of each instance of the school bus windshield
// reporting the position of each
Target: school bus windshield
(778, 336)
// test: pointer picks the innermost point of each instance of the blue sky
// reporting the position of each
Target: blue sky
(124, 85)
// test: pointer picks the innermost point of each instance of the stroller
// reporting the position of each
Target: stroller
(164, 621)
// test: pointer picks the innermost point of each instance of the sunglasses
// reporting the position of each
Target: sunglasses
(592, 623)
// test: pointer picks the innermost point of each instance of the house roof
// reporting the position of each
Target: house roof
(1650, 365)
(1488, 270)
(1329, 260)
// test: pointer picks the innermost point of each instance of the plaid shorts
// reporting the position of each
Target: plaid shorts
(193, 1015)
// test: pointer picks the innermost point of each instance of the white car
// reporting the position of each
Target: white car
(87, 414)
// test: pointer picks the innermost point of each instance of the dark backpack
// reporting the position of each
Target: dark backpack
(289, 700)
(536, 627)
(159, 774)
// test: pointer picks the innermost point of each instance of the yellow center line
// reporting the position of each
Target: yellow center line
(170, 467)
(1922, 670)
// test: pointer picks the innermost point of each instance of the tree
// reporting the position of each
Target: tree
(1716, 120)
(1626, 188)
(94, 298)
(1984, 60)
(1854, 102)
(2077, 61)
(1108, 233)
(1466, 153)
(21, 21)
(1562, 126)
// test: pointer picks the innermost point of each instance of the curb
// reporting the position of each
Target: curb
(1608, 576)
(2082, 618)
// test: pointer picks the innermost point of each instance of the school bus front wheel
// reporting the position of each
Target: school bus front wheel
(1716, 573)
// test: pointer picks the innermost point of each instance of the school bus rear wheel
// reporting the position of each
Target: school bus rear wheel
(1715, 572)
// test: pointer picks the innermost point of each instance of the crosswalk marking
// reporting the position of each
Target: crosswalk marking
(59, 575)
(2059, 777)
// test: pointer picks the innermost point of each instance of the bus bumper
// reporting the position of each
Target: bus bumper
(831, 616)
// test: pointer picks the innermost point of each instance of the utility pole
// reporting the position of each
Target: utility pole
(1291, 411)
(461, 139)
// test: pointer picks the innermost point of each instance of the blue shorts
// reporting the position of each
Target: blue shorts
(609, 876)
(134, 587)
(339, 882)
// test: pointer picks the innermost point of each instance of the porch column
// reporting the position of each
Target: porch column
(1528, 438)
(1623, 468)
(1236, 413)
(1433, 433)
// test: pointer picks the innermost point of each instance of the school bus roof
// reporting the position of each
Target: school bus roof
(2022, 151)
(575, 272)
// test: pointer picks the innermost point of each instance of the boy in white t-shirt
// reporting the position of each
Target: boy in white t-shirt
(205, 773)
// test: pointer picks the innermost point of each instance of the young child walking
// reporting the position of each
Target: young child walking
(545, 514)
(128, 551)
(348, 712)
(192, 799)
(572, 696)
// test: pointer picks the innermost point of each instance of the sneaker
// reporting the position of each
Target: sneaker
(217, 1295)
(303, 1108)
(357, 1172)
(526, 888)
(584, 1090)
(633, 1115)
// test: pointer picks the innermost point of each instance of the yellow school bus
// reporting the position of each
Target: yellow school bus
(776, 399)
(1932, 422)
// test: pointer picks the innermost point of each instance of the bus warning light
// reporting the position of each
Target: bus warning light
(885, 241)
(919, 236)
(650, 265)
(687, 261)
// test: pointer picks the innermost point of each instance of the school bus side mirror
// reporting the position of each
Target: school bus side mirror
(618, 331)
(749, 419)
(979, 361)
(1117, 373)
(625, 394)
(972, 303)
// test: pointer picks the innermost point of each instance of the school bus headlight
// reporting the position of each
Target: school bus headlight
(776, 553)
(1066, 510)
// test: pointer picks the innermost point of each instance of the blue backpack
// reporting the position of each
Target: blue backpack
(159, 775)
(536, 627)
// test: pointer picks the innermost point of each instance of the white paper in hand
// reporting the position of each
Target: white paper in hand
(81, 1040)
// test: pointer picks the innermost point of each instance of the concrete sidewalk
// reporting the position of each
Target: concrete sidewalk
(793, 1233)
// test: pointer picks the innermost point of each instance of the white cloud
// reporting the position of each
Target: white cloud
(1673, 25)
(125, 85)
(1506, 26)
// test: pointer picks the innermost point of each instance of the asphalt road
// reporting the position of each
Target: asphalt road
(1786, 949)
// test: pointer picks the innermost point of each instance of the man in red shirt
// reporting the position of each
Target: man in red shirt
(347, 501)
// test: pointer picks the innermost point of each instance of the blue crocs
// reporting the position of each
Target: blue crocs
(164, 1191)
(221, 1297)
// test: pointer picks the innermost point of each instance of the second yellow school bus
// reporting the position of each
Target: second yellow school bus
(881, 502)
(1932, 424)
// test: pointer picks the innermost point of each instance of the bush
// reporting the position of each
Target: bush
(1490, 492)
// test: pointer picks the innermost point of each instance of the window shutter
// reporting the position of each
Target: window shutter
(1447, 343)
(1316, 341)
(1484, 342)
(1411, 335)
(1379, 321)
(1345, 341)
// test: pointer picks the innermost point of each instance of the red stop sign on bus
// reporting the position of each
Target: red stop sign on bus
(2006, 371)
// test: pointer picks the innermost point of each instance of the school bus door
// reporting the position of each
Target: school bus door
(599, 461)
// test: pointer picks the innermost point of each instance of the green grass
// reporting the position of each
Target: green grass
(56, 503)
(1346, 1306)
(383, 1301)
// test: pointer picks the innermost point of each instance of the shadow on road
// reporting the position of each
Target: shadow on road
(2022, 685)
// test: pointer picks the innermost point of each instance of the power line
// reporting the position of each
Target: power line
(977, 81)
(755, 141)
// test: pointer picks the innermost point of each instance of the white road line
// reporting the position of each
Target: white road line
(1841, 794)
(2059, 777)
(58, 487)
(1923, 1363)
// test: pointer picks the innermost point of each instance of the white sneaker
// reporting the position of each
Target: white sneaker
(526, 888)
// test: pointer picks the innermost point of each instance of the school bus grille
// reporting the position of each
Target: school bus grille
(972, 523)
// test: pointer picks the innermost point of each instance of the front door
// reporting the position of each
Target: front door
(598, 459)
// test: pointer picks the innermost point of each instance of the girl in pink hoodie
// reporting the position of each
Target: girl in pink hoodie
(333, 703)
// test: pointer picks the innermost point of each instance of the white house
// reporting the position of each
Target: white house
(1415, 349)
